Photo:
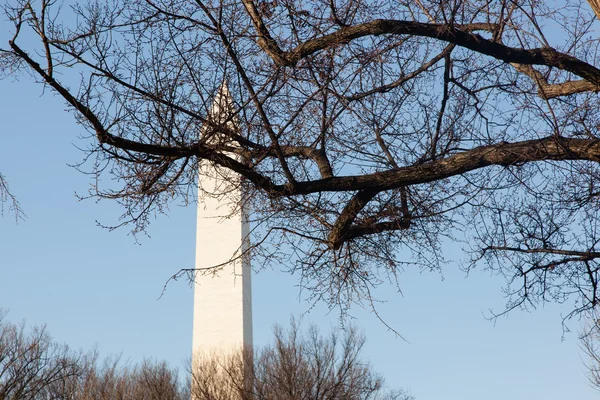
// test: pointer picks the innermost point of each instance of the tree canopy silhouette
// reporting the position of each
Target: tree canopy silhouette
(368, 131)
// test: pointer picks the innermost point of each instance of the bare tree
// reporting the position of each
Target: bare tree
(34, 367)
(30, 362)
(369, 130)
(294, 367)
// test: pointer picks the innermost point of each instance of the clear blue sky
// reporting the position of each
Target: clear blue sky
(94, 287)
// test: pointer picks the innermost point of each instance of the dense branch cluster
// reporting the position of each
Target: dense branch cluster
(367, 131)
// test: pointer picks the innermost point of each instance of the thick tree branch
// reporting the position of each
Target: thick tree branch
(455, 35)
(338, 234)
(504, 154)
(549, 91)
(582, 255)
(265, 40)
(359, 230)
(595, 4)
(311, 153)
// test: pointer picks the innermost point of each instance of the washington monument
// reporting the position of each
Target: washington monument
(222, 295)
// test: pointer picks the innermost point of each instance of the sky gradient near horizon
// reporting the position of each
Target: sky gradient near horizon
(94, 287)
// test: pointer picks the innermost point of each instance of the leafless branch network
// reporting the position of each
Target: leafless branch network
(368, 132)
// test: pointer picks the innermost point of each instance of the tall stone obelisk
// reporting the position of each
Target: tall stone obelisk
(222, 290)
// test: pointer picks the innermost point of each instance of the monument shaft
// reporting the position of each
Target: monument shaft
(222, 290)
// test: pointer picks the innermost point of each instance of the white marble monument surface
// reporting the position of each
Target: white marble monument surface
(222, 295)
